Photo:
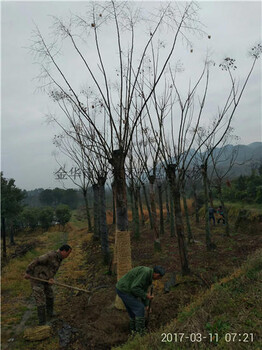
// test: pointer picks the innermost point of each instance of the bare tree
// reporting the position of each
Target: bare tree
(177, 149)
(79, 176)
(114, 99)
(93, 169)
(147, 151)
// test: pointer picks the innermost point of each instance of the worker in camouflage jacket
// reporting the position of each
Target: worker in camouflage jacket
(45, 267)
(132, 289)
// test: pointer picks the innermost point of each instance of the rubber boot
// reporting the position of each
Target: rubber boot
(50, 308)
(140, 325)
(41, 315)
(132, 325)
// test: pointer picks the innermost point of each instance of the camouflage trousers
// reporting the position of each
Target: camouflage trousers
(41, 291)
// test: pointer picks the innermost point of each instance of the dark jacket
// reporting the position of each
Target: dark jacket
(136, 282)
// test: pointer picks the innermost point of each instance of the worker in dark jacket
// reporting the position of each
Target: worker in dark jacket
(45, 267)
(132, 289)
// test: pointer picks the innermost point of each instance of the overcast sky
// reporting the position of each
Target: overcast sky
(26, 151)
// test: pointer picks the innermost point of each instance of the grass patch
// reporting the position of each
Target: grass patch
(15, 289)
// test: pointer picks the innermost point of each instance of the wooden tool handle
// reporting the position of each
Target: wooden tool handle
(61, 284)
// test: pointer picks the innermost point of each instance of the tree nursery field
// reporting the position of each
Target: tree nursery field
(220, 297)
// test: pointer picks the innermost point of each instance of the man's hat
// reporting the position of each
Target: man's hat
(160, 270)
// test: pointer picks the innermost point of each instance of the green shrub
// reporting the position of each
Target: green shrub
(63, 214)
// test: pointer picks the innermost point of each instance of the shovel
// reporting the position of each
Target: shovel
(61, 285)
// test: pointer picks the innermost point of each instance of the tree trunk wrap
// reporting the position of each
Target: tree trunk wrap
(123, 245)
(124, 264)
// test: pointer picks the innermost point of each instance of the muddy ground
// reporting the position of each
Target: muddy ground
(101, 326)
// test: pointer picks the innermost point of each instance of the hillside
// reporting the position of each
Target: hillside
(227, 316)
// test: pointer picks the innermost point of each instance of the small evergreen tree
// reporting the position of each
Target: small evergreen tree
(46, 216)
(63, 214)
(31, 217)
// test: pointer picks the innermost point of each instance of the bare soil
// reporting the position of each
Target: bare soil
(101, 326)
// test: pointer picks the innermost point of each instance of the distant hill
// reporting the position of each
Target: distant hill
(248, 157)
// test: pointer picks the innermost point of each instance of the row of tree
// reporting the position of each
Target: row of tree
(53, 197)
(125, 122)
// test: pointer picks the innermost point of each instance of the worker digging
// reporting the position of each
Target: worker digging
(132, 288)
(45, 267)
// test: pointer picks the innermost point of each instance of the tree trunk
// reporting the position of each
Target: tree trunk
(89, 224)
(178, 219)
(157, 244)
(148, 206)
(96, 212)
(12, 238)
(114, 207)
(131, 195)
(167, 201)
(141, 206)
(210, 193)
(227, 228)
(209, 244)
(160, 192)
(122, 237)
(172, 215)
(136, 213)
(196, 206)
(3, 236)
(117, 162)
(102, 221)
(189, 231)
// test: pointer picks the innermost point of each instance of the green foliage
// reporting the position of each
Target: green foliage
(46, 216)
(245, 188)
(31, 217)
(11, 197)
(59, 196)
(63, 214)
